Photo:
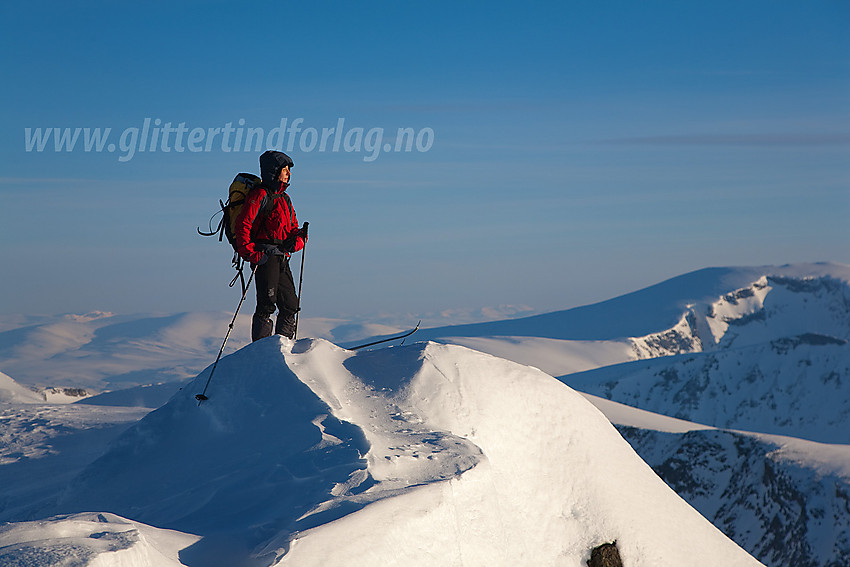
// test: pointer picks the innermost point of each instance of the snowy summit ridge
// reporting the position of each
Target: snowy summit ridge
(309, 454)
(433, 454)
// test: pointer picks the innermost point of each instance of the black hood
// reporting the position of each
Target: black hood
(271, 162)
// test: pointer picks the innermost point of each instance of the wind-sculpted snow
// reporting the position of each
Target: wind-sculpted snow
(43, 446)
(310, 455)
(89, 539)
(554, 479)
(266, 452)
(260, 454)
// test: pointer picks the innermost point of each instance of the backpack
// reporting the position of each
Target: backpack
(236, 195)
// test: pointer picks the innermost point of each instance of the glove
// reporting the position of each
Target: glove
(303, 231)
(289, 244)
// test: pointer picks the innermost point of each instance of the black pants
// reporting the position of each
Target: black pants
(275, 289)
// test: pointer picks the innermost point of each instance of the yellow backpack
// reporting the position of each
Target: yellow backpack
(236, 195)
(239, 189)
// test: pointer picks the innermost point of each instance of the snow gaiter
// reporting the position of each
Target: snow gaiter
(285, 325)
(261, 327)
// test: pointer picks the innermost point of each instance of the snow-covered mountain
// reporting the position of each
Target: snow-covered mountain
(655, 309)
(760, 349)
(784, 511)
(784, 499)
(797, 386)
(739, 350)
(707, 310)
(308, 454)
(105, 351)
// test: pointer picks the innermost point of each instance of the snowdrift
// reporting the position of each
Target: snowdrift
(96, 540)
(43, 446)
(308, 454)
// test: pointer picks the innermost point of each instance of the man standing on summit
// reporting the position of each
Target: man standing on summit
(266, 234)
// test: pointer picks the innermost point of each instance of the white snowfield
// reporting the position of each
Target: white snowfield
(309, 454)
(555, 478)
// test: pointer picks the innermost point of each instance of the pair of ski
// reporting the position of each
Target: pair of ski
(395, 338)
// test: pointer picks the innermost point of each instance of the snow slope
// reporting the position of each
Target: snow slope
(797, 386)
(43, 446)
(11, 391)
(308, 454)
(772, 356)
(784, 499)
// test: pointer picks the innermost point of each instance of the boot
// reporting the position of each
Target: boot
(261, 327)
(285, 325)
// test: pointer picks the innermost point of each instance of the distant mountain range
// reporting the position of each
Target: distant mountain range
(102, 351)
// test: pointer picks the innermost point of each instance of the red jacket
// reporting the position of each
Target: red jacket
(277, 223)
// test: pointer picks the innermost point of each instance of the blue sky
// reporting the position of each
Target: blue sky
(580, 149)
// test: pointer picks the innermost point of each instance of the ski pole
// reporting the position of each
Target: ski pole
(202, 396)
(300, 281)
